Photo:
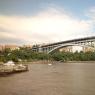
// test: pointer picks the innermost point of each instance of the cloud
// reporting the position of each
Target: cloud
(91, 16)
(47, 26)
(91, 13)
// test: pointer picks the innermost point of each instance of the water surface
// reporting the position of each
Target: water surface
(57, 79)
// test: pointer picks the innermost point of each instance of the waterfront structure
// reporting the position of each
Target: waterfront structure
(83, 42)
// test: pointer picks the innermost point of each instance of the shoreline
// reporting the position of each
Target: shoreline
(53, 62)
(49, 61)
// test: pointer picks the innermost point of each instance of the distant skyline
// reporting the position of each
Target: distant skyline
(45, 21)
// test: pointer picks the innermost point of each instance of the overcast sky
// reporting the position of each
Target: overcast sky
(45, 21)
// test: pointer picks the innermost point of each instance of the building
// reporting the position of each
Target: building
(87, 49)
(66, 49)
(77, 48)
(2, 47)
(11, 47)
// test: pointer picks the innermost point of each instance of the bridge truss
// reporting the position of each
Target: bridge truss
(83, 42)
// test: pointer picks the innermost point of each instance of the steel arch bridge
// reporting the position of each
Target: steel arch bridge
(62, 46)
(84, 42)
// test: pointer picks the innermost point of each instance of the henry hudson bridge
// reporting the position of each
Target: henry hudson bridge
(48, 48)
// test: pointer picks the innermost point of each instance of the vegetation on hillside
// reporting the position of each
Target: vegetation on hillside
(26, 54)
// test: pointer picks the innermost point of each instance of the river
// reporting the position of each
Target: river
(56, 79)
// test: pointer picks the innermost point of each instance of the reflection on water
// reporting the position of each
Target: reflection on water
(57, 79)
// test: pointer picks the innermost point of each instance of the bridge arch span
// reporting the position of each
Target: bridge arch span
(61, 46)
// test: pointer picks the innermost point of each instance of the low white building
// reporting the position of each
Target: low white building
(77, 48)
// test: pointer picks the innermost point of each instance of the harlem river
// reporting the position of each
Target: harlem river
(56, 79)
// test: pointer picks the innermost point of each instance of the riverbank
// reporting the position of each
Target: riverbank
(53, 62)
(49, 61)
(79, 62)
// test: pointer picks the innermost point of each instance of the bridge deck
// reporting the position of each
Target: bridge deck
(68, 41)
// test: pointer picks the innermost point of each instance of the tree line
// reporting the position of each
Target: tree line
(26, 54)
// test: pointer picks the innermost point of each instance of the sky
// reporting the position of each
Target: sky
(45, 21)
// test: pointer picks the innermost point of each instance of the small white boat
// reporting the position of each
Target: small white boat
(49, 64)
